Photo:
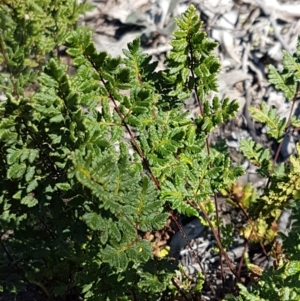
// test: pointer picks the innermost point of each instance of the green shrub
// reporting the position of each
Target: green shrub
(81, 186)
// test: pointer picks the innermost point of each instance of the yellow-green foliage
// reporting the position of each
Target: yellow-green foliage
(284, 188)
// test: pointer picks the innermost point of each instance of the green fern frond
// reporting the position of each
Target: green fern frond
(276, 125)
(287, 80)
(257, 155)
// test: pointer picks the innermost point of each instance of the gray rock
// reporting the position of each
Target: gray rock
(288, 146)
(192, 230)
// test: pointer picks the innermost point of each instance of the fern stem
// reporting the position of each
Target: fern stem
(207, 143)
(41, 286)
(185, 297)
(288, 124)
(193, 252)
(218, 240)
(242, 260)
(133, 140)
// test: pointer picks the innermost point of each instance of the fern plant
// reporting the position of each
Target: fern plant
(95, 163)
(89, 196)
(170, 150)
(279, 282)
(281, 192)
